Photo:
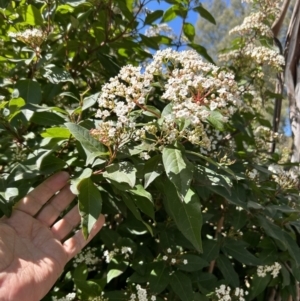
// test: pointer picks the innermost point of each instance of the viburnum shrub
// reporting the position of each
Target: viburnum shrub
(173, 150)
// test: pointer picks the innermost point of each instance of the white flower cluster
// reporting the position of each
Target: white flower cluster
(253, 174)
(224, 293)
(286, 179)
(173, 260)
(32, 37)
(254, 22)
(160, 29)
(69, 297)
(261, 55)
(190, 88)
(141, 295)
(257, 25)
(88, 257)
(273, 269)
(126, 251)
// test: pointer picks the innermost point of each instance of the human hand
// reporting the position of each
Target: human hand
(33, 250)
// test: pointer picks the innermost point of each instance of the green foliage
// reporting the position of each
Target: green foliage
(182, 218)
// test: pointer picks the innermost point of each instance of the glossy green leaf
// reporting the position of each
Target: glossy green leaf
(182, 286)
(178, 169)
(90, 101)
(258, 285)
(205, 14)
(116, 267)
(47, 119)
(202, 51)
(159, 278)
(31, 15)
(30, 91)
(123, 172)
(90, 204)
(237, 249)
(153, 169)
(226, 268)
(143, 200)
(56, 132)
(57, 75)
(211, 249)
(185, 213)
(189, 31)
(86, 140)
(149, 42)
(153, 16)
(169, 14)
(193, 263)
(216, 119)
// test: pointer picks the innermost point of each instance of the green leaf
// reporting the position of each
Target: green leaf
(56, 132)
(179, 170)
(153, 168)
(226, 268)
(123, 172)
(143, 200)
(48, 163)
(237, 249)
(182, 286)
(170, 14)
(292, 247)
(258, 285)
(194, 263)
(30, 91)
(202, 51)
(216, 119)
(90, 101)
(189, 31)
(186, 214)
(90, 204)
(89, 144)
(271, 229)
(47, 119)
(116, 267)
(57, 75)
(205, 14)
(151, 17)
(31, 15)
(159, 278)
(128, 200)
(211, 250)
(149, 42)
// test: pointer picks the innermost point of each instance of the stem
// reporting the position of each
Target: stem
(218, 231)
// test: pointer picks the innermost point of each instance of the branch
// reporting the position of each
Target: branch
(278, 23)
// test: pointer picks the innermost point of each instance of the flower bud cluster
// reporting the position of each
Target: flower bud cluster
(189, 89)
(225, 294)
(87, 256)
(141, 295)
(32, 37)
(286, 179)
(273, 269)
(254, 22)
(126, 251)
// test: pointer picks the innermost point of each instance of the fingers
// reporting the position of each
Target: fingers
(65, 225)
(51, 211)
(77, 242)
(34, 201)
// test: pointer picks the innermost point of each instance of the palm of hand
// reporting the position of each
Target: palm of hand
(32, 254)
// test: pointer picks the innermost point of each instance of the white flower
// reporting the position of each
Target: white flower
(169, 250)
(273, 269)
(185, 261)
